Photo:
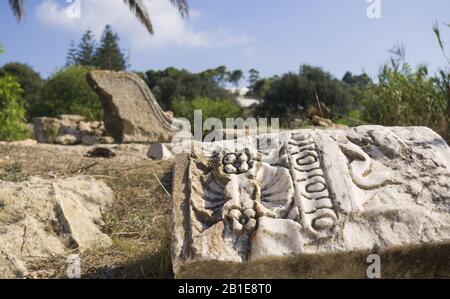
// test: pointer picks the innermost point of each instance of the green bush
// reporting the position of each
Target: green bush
(12, 111)
(221, 109)
(290, 95)
(30, 82)
(171, 84)
(67, 92)
(404, 97)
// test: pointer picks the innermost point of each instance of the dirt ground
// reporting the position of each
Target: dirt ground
(138, 221)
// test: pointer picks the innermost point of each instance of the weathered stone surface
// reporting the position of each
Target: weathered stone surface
(271, 204)
(159, 151)
(67, 139)
(131, 112)
(68, 130)
(46, 129)
(43, 218)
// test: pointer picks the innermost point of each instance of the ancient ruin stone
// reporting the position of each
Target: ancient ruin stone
(43, 218)
(46, 129)
(314, 203)
(159, 151)
(68, 130)
(131, 112)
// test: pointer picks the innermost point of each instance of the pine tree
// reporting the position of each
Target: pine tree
(72, 55)
(108, 55)
(86, 50)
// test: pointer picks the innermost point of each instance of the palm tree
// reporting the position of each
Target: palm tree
(137, 7)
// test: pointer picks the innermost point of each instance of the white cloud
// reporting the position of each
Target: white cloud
(170, 28)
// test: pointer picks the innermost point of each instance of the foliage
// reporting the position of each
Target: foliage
(406, 97)
(108, 55)
(253, 77)
(12, 111)
(221, 109)
(290, 95)
(172, 83)
(67, 92)
(140, 11)
(86, 50)
(235, 77)
(72, 55)
(30, 82)
(443, 78)
(260, 87)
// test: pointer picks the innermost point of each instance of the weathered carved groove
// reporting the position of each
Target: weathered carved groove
(311, 189)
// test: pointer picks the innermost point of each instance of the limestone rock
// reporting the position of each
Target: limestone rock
(11, 267)
(67, 139)
(131, 112)
(90, 140)
(43, 218)
(107, 140)
(68, 130)
(46, 129)
(263, 206)
(159, 151)
(71, 118)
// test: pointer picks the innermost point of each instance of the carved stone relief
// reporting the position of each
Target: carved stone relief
(310, 191)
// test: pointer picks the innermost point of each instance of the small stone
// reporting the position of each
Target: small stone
(85, 127)
(66, 140)
(107, 140)
(159, 151)
(89, 140)
(71, 117)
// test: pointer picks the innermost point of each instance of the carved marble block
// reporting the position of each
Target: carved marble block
(265, 200)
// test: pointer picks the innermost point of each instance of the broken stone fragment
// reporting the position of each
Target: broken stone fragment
(131, 112)
(68, 130)
(67, 139)
(44, 218)
(159, 151)
(285, 205)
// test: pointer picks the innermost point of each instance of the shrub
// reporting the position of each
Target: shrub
(404, 97)
(12, 111)
(290, 95)
(221, 109)
(171, 84)
(30, 82)
(67, 92)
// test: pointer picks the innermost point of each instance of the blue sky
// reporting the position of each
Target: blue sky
(271, 36)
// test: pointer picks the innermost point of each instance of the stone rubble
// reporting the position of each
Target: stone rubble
(69, 130)
(45, 218)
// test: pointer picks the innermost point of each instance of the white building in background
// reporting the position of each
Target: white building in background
(241, 99)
